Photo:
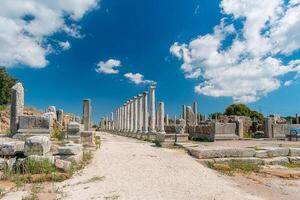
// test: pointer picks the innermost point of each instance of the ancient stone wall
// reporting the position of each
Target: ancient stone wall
(280, 130)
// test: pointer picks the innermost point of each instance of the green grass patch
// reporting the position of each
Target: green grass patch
(233, 167)
(292, 165)
(3, 107)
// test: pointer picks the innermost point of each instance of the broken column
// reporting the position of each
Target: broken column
(17, 106)
(195, 109)
(184, 112)
(152, 109)
(60, 116)
(87, 114)
(112, 121)
(190, 116)
(161, 117)
(145, 113)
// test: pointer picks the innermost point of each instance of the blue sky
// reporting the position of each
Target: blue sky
(140, 36)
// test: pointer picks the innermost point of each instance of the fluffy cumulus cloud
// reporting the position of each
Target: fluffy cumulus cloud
(108, 67)
(26, 26)
(138, 78)
(248, 52)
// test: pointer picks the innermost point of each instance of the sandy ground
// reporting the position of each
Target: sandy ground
(126, 168)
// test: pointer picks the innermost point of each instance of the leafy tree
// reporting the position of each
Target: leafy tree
(6, 82)
(243, 110)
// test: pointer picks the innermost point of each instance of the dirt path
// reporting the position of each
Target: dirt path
(128, 169)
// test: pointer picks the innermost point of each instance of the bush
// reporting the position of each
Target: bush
(6, 83)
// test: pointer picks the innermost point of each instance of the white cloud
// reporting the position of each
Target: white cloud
(64, 45)
(26, 25)
(108, 67)
(251, 64)
(138, 78)
(288, 83)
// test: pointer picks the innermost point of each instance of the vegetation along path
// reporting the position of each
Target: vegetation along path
(126, 168)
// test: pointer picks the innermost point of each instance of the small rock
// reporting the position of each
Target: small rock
(72, 158)
(63, 164)
(70, 149)
(294, 160)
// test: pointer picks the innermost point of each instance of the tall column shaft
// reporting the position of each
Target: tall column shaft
(152, 109)
(195, 109)
(131, 116)
(140, 114)
(167, 119)
(161, 117)
(128, 116)
(135, 113)
(87, 114)
(145, 113)
(184, 112)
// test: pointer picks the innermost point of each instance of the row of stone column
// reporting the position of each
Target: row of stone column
(134, 116)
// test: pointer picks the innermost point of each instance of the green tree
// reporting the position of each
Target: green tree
(6, 82)
(243, 110)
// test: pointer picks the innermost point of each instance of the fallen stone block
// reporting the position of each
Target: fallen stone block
(276, 151)
(221, 153)
(294, 151)
(276, 161)
(50, 159)
(70, 149)
(294, 160)
(283, 173)
(63, 164)
(261, 154)
(250, 160)
(11, 148)
(37, 145)
(72, 158)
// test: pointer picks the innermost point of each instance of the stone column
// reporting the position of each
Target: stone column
(152, 109)
(175, 119)
(107, 123)
(122, 118)
(131, 115)
(240, 128)
(161, 116)
(128, 116)
(167, 119)
(17, 106)
(60, 116)
(125, 117)
(195, 109)
(145, 113)
(135, 114)
(112, 121)
(184, 112)
(87, 114)
(140, 114)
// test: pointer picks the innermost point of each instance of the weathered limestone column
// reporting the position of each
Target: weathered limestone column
(140, 114)
(107, 123)
(145, 113)
(112, 121)
(195, 109)
(167, 119)
(135, 113)
(268, 127)
(240, 128)
(17, 106)
(125, 117)
(184, 112)
(161, 117)
(60, 116)
(131, 116)
(128, 116)
(152, 109)
(175, 119)
(87, 114)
